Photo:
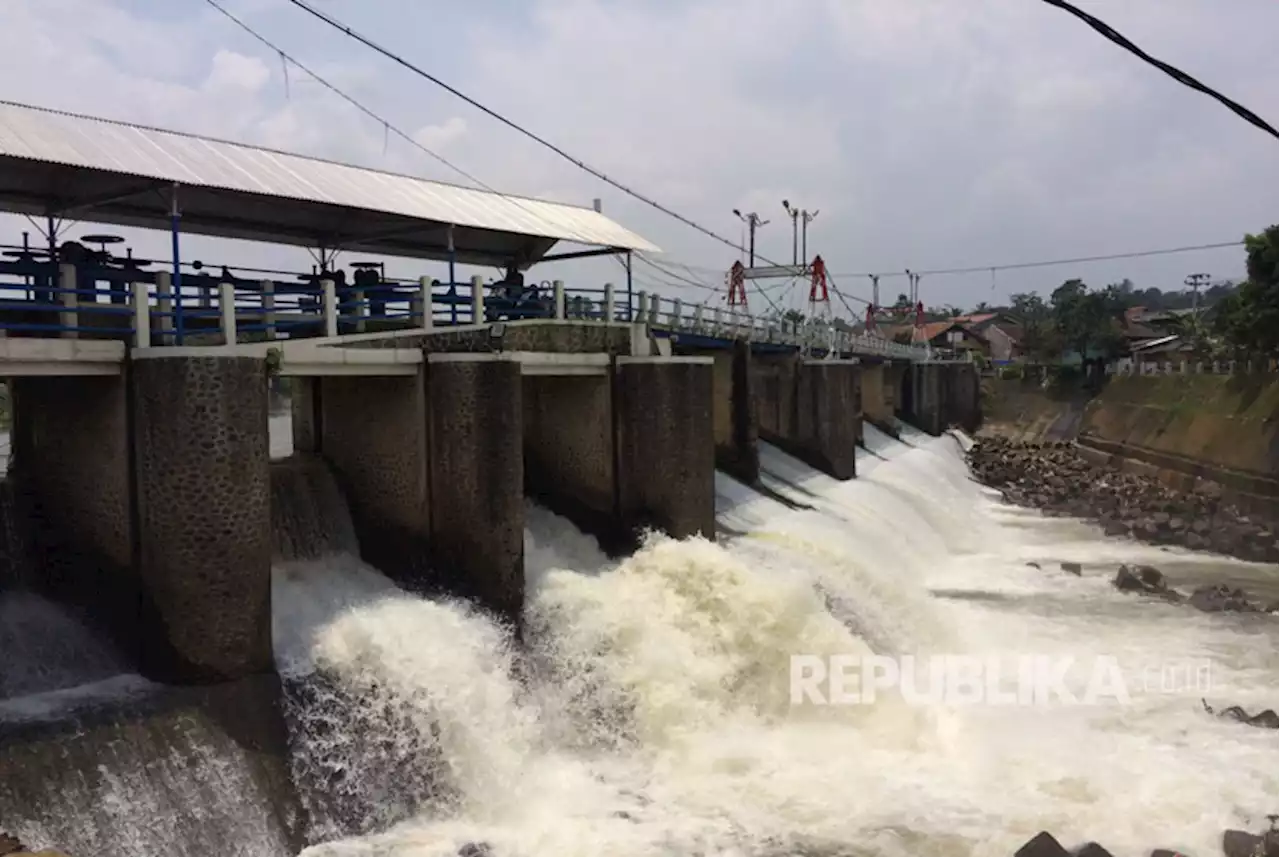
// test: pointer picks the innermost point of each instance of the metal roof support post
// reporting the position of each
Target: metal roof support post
(175, 217)
(453, 256)
(632, 315)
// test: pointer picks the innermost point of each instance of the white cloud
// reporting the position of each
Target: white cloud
(929, 132)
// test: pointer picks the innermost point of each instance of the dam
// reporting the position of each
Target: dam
(515, 580)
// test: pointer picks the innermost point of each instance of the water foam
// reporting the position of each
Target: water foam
(651, 716)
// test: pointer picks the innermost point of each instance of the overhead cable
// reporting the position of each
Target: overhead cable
(542, 141)
(1177, 74)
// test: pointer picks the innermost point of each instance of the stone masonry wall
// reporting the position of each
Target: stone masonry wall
(477, 478)
(204, 517)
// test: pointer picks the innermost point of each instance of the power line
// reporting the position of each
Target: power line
(542, 141)
(345, 97)
(1177, 74)
(1048, 263)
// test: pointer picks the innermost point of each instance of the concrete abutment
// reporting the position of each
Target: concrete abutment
(811, 409)
(666, 445)
(476, 479)
(203, 515)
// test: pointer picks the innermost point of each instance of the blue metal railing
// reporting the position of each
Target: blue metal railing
(109, 302)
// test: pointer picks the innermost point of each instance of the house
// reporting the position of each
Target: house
(1003, 333)
(941, 335)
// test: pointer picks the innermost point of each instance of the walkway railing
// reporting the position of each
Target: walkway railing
(146, 309)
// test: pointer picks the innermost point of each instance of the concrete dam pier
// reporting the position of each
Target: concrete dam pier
(153, 492)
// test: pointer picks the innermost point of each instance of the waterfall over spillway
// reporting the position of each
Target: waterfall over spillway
(649, 713)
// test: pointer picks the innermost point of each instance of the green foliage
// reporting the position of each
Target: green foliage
(1089, 321)
(1247, 319)
(1040, 338)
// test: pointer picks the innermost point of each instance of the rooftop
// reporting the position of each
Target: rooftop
(114, 172)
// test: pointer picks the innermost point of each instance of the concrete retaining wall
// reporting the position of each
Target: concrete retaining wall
(733, 409)
(477, 478)
(569, 449)
(1180, 429)
(773, 382)
(373, 434)
(666, 445)
(828, 416)
(72, 495)
(204, 518)
(809, 409)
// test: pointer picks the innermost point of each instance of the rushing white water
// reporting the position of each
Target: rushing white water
(652, 716)
(46, 648)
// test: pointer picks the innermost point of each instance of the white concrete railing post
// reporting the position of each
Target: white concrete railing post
(362, 310)
(164, 305)
(421, 306)
(607, 312)
(697, 319)
(637, 313)
(269, 307)
(477, 300)
(557, 292)
(141, 315)
(655, 301)
(227, 304)
(677, 314)
(69, 317)
(329, 293)
(715, 320)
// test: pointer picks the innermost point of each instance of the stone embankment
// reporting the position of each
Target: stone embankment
(1056, 479)
(1235, 843)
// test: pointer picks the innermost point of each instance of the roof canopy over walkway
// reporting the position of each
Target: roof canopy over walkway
(64, 165)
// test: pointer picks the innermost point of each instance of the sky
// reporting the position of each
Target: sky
(927, 133)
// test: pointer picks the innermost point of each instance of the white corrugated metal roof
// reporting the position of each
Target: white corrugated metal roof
(52, 137)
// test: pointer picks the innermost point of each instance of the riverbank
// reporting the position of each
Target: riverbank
(1056, 479)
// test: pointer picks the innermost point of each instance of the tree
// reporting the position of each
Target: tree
(981, 307)
(1247, 318)
(1040, 340)
(794, 316)
(1088, 320)
(1194, 329)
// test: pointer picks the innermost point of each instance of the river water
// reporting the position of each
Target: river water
(654, 717)
(651, 714)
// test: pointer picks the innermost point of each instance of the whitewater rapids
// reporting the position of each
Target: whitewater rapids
(652, 713)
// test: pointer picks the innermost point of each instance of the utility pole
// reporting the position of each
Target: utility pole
(806, 217)
(753, 221)
(797, 215)
(1194, 282)
(913, 288)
